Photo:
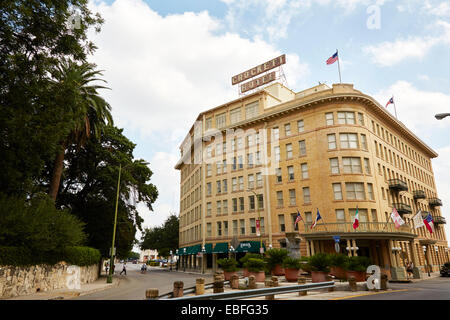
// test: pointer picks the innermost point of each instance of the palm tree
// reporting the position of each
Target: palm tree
(89, 111)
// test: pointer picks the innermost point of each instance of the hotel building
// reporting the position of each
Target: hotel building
(249, 165)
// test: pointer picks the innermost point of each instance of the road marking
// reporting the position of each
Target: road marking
(369, 294)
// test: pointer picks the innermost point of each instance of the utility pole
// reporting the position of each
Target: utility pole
(109, 278)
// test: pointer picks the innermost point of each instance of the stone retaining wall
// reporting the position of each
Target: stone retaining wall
(18, 281)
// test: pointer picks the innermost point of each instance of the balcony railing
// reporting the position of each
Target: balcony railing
(402, 208)
(439, 220)
(419, 194)
(398, 185)
(435, 202)
(364, 227)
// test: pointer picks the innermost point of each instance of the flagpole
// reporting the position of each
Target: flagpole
(395, 109)
(339, 67)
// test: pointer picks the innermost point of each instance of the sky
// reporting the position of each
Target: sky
(168, 60)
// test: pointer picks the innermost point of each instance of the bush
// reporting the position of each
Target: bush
(358, 263)
(338, 260)
(275, 257)
(319, 262)
(227, 264)
(291, 263)
(254, 265)
(82, 256)
(248, 256)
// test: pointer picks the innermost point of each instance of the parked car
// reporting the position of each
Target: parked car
(445, 270)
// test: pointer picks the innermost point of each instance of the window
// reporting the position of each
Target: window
(355, 191)
(208, 229)
(251, 201)
(242, 226)
(208, 209)
(363, 142)
(305, 174)
(281, 223)
(219, 228)
(225, 206)
(289, 151)
(219, 167)
(337, 191)
(241, 204)
(258, 158)
(306, 195)
(300, 126)
(374, 215)
(225, 185)
(208, 170)
(235, 115)
(291, 173)
(252, 226)
(346, 117)
(208, 124)
(277, 153)
(334, 165)
(280, 202)
(259, 181)
(241, 183)
(308, 217)
(240, 143)
(362, 213)
(251, 181)
(241, 162)
(260, 201)
(367, 165)
(370, 191)
(261, 225)
(233, 167)
(221, 120)
(235, 227)
(352, 165)
(302, 147)
(234, 204)
(292, 198)
(249, 141)
(276, 133)
(329, 118)
(361, 119)
(208, 189)
(219, 186)
(340, 215)
(234, 184)
(225, 228)
(287, 129)
(251, 110)
(331, 141)
(278, 174)
(349, 140)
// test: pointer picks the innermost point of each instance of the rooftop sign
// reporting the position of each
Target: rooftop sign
(252, 84)
(259, 69)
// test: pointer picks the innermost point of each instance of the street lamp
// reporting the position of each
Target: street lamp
(261, 250)
(441, 116)
(171, 259)
(178, 257)
(184, 264)
(425, 254)
(203, 258)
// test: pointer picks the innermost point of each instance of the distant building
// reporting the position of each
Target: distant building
(248, 165)
(148, 254)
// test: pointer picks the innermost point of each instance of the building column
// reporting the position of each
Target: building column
(391, 255)
(413, 253)
(313, 252)
(308, 254)
(349, 252)
(355, 252)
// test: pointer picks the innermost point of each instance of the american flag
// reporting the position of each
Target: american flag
(333, 58)
(299, 218)
(390, 101)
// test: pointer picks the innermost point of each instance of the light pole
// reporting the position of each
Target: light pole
(184, 263)
(109, 278)
(203, 258)
(426, 260)
(178, 258)
(441, 116)
(171, 259)
(261, 250)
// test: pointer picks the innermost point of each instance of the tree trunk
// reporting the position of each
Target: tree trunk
(57, 172)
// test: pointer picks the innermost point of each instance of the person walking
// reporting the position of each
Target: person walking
(124, 269)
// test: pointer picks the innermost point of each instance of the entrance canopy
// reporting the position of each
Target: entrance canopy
(250, 246)
(221, 247)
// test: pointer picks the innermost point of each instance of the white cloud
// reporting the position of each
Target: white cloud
(441, 9)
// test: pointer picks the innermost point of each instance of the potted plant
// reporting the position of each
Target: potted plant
(229, 267)
(356, 267)
(291, 268)
(255, 267)
(319, 265)
(245, 258)
(274, 259)
(338, 262)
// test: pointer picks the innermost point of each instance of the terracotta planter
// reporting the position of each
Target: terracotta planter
(338, 272)
(245, 271)
(228, 274)
(278, 270)
(291, 275)
(360, 276)
(259, 276)
(319, 276)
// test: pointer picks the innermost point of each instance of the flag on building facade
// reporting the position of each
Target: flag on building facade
(356, 219)
(398, 221)
(333, 58)
(390, 101)
(418, 220)
(318, 217)
(429, 223)
(298, 219)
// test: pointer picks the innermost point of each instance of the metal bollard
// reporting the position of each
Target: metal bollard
(152, 294)
(200, 286)
(300, 281)
(352, 284)
(178, 289)
(269, 284)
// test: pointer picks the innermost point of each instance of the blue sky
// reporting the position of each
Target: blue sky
(166, 61)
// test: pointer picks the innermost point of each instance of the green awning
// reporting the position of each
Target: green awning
(195, 249)
(181, 251)
(208, 248)
(250, 246)
(221, 247)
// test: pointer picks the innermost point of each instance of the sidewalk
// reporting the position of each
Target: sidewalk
(60, 294)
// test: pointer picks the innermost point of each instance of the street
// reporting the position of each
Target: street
(133, 285)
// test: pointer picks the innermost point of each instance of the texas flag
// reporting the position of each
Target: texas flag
(356, 220)
(429, 222)
(318, 217)
(333, 58)
(390, 101)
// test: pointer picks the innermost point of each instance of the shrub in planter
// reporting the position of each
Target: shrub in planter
(291, 268)
(229, 267)
(256, 267)
(245, 258)
(338, 262)
(320, 266)
(356, 267)
(274, 259)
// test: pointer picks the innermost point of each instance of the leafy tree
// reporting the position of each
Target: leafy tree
(164, 238)
(89, 189)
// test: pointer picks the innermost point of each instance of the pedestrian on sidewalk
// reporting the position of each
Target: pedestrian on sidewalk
(409, 268)
(124, 269)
